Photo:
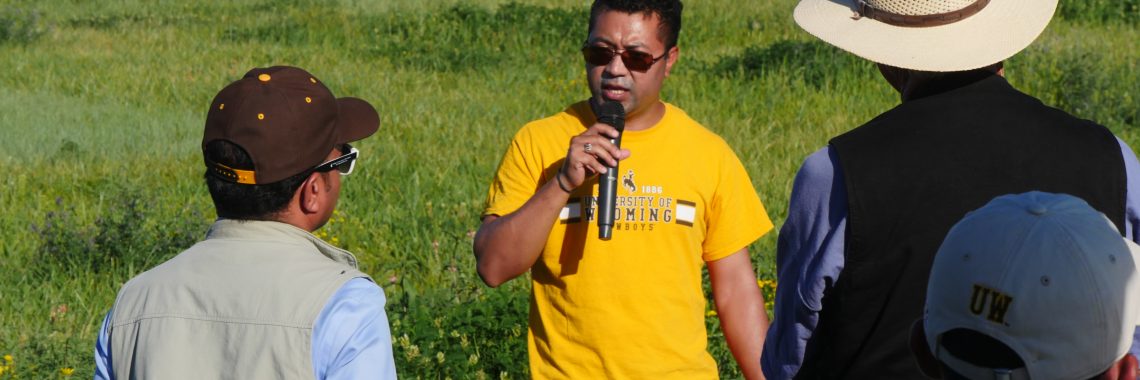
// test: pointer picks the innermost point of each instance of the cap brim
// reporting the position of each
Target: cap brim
(356, 119)
(997, 32)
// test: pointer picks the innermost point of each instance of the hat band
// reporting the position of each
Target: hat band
(229, 174)
(918, 21)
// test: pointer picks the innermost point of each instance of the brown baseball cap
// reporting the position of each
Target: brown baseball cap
(286, 120)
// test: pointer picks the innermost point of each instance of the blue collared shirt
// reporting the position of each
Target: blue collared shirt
(351, 339)
(809, 255)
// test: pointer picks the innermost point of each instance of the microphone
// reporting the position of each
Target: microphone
(612, 114)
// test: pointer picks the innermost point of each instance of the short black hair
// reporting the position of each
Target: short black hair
(667, 11)
(242, 201)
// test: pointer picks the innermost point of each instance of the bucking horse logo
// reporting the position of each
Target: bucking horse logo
(627, 182)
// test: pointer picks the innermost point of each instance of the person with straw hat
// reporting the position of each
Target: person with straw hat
(868, 212)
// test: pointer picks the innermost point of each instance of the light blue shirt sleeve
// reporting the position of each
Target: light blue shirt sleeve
(351, 339)
(103, 352)
(809, 254)
(1132, 185)
(809, 257)
(1131, 214)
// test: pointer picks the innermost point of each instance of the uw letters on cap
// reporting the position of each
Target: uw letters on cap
(985, 298)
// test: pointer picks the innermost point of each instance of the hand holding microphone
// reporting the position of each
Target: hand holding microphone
(597, 151)
(613, 114)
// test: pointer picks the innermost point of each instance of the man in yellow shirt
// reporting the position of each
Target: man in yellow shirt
(631, 306)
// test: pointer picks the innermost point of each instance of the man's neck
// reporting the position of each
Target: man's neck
(647, 119)
(296, 219)
(925, 86)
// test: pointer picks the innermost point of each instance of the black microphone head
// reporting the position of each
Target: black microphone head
(613, 114)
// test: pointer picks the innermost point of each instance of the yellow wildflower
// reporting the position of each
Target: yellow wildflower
(413, 352)
(66, 371)
(404, 340)
(439, 357)
(8, 359)
(711, 313)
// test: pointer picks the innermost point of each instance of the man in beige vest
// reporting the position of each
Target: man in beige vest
(261, 297)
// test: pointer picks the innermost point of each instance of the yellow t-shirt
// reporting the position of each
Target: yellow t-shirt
(631, 307)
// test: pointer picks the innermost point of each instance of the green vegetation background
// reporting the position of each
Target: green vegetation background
(102, 105)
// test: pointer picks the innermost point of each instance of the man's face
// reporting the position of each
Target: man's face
(620, 31)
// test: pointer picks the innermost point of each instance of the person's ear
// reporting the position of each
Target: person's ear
(311, 191)
(999, 68)
(927, 363)
(1125, 368)
(674, 53)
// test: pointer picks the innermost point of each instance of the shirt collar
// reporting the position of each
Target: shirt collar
(277, 231)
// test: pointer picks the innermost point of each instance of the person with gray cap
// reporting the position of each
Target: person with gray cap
(1032, 286)
(868, 211)
(261, 297)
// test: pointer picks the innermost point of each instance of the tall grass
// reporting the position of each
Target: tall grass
(103, 104)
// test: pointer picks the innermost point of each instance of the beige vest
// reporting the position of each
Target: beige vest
(239, 305)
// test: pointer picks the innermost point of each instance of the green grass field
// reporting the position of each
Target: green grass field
(102, 107)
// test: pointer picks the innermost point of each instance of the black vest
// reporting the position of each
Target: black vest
(911, 174)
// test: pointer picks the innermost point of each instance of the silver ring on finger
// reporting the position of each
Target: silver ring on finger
(588, 147)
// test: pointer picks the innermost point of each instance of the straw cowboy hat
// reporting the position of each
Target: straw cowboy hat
(927, 35)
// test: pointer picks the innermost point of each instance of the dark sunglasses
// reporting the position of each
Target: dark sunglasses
(632, 59)
(343, 164)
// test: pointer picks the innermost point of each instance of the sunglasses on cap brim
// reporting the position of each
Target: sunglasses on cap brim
(343, 164)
